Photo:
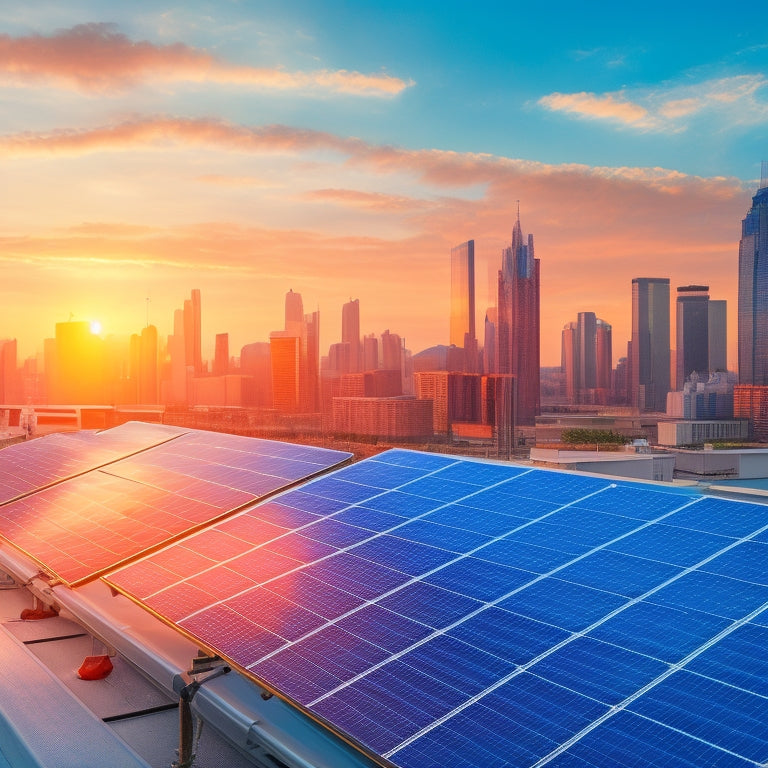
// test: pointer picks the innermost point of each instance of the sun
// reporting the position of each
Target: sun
(95, 327)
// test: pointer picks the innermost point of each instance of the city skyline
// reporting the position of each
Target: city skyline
(251, 150)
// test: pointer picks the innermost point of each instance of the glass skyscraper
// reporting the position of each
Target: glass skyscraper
(517, 332)
(753, 289)
(462, 332)
(650, 343)
(692, 320)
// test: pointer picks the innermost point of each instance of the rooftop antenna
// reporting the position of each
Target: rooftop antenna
(518, 209)
(147, 324)
(764, 174)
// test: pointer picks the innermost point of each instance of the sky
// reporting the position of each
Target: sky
(340, 149)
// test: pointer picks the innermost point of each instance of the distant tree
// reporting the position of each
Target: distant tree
(581, 436)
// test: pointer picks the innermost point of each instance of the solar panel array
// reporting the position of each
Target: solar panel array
(442, 612)
(85, 525)
(29, 466)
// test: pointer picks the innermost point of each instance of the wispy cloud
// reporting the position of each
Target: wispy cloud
(98, 58)
(611, 106)
(726, 102)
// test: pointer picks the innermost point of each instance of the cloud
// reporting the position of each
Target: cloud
(97, 58)
(726, 102)
(608, 107)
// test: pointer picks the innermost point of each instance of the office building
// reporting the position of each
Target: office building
(517, 328)
(193, 332)
(294, 309)
(462, 330)
(650, 343)
(718, 334)
(603, 355)
(370, 353)
(692, 322)
(221, 359)
(285, 354)
(389, 418)
(587, 359)
(753, 289)
(751, 402)
(350, 333)
(78, 372)
(489, 340)
(255, 362)
(391, 351)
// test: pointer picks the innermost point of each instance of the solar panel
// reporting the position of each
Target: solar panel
(85, 525)
(29, 466)
(470, 613)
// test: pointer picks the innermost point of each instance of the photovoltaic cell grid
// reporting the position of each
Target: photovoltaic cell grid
(455, 612)
(88, 524)
(26, 467)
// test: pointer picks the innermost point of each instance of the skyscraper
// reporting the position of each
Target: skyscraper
(193, 332)
(350, 333)
(587, 351)
(650, 343)
(517, 331)
(692, 321)
(462, 331)
(718, 334)
(370, 353)
(753, 289)
(587, 359)
(296, 364)
(221, 358)
(603, 355)
(294, 310)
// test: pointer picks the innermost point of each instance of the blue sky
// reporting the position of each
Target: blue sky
(309, 145)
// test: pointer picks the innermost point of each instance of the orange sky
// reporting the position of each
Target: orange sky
(110, 198)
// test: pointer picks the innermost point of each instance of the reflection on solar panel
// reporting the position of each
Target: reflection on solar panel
(443, 612)
(85, 525)
(26, 467)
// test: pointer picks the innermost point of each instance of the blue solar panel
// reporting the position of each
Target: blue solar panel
(439, 611)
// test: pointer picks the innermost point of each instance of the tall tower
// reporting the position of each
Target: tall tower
(517, 332)
(718, 334)
(350, 333)
(462, 331)
(650, 343)
(587, 350)
(603, 354)
(294, 310)
(568, 360)
(753, 289)
(692, 321)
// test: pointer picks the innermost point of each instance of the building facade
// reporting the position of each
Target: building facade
(718, 334)
(692, 323)
(753, 289)
(517, 326)
(462, 330)
(650, 372)
(350, 333)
